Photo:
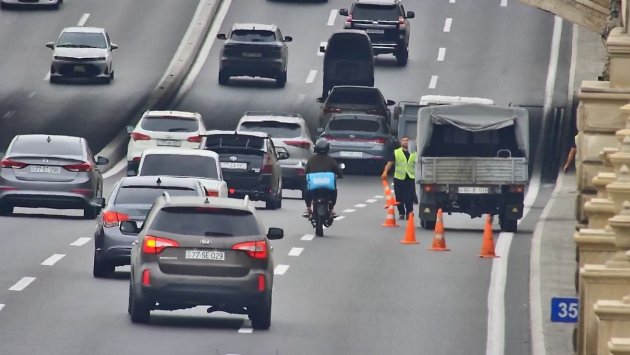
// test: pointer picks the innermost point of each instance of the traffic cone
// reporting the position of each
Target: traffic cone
(439, 237)
(487, 244)
(385, 183)
(410, 233)
(390, 219)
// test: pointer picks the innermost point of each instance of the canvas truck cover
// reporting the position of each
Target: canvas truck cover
(473, 118)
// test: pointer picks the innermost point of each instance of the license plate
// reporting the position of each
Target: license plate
(233, 165)
(473, 190)
(168, 143)
(252, 55)
(45, 169)
(205, 255)
(79, 68)
(351, 154)
(378, 32)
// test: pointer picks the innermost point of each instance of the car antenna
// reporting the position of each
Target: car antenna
(48, 139)
(158, 182)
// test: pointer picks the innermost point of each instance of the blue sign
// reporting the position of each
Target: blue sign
(564, 310)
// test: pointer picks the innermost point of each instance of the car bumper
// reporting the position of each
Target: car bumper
(79, 69)
(260, 67)
(50, 199)
(258, 188)
(293, 178)
(113, 247)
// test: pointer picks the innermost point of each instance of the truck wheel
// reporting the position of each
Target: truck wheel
(508, 225)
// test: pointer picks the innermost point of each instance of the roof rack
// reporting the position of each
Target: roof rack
(271, 113)
(167, 197)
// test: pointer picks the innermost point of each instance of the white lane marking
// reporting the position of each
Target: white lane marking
(441, 54)
(299, 100)
(553, 65)
(503, 3)
(433, 82)
(83, 20)
(348, 210)
(311, 76)
(359, 205)
(296, 251)
(115, 169)
(53, 259)
(452, 1)
(47, 76)
(307, 237)
(22, 284)
(1, 306)
(280, 269)
(79, 242)
(378, 196)
(332, 17)
(447, 24)
(339, 218)
(246, 330)
(321, 44)
(371, 200)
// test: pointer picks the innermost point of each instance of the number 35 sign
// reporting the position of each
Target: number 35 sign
(564, 310)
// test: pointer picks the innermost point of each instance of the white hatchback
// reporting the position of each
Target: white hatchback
(156, 129)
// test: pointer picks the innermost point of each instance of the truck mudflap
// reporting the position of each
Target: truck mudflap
(513, 211)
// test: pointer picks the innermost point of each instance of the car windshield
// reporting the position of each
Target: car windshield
(354, 97)
(179, 165)
(33, 146)
(358, 124)
(146, 195)
(206, 221)
(376, 12)
(169, 124)
(274, 129)
(253, 36)
(82, 40)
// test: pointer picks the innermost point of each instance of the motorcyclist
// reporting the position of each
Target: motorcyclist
(321, 162)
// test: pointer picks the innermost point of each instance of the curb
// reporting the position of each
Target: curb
(172, 79)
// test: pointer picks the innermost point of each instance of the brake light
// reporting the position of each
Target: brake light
(428, 188)
(299, 144)
(155, 245)
(212, 193)
(137, 158)
(146, 278)
(267, 167)
(232, 190)
(378, 140)
(300, 172)
(78, 167)
(139, 136)
(517, 188)
(331, 110)
(8, 163)
(256, 250)
(261, 283)
(113, 218)
(401, 20)
(194, 139)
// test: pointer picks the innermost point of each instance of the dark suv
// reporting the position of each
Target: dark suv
(254, 50)
(249, 163)
(202, 251)
(385, 22)
(354, 99)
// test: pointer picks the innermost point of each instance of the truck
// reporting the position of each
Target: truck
(473, 159)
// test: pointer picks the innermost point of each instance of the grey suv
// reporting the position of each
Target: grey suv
(254, 50)
(202, 251)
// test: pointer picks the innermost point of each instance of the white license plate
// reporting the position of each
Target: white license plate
(45, 169)
(168, 143)
(351, 154)
(79, 68)
(205, 255)
(378, 32)
(473, 190)
(252, 55)
(233, 165)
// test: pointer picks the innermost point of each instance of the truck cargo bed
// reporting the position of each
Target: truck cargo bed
(478, 171)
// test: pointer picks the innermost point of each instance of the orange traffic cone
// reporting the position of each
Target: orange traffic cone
(390, 219)
(385, 183)
(410, 233)
(439, 238)
(487, 245)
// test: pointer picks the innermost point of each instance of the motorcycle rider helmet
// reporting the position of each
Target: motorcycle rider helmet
(322, 146)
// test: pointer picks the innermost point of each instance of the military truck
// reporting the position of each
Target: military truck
(473, 159)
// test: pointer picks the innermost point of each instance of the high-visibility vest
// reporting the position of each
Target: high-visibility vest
(404, 166)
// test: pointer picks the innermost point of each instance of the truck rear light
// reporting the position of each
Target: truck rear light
(261, 283)
(155, 245)
(429, 188)
(194, 139)
(139, 136)
(299, 144)
(146, 278)
(113, 218)
(267, 167)
(212, 193)
(81, 167)
(517, 188)
(255, 250)
(378, 140)
(8, 163)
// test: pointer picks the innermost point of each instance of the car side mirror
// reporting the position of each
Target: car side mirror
(343, 12)
(50, 45)
(275, 233)
(282, 153)
(222, 36)
(113, 46)
(322, 49)
(411, 14)
(288, 38)
(129, 227)
(98, 202)
(101, 160)
(130, 129)
(390, 102)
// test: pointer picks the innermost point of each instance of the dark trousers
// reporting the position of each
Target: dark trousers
(405, 192)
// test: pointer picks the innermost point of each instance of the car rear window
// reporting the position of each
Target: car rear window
(82, 40)
(32, 146)
(354, 96)
(235, 141)
(273, 128)
(376, 12)
(169, 124)
(146, 195)
(349, 47)
(179, 165)
(206, 221)
(253, 36)
(354, 125)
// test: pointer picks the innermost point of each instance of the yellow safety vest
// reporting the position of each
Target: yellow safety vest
(404, 166)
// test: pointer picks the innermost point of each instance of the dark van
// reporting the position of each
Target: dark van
(348, 60)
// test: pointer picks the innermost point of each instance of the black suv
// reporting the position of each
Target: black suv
(385, 22)
(249, 163)
(254, 50)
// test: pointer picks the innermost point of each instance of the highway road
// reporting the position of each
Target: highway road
(355, 291)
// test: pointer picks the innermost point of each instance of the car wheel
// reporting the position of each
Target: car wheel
(271, 203)
(53, 79)
(402, 57)
(111, 75)
(138, 309)
(428, 225)
(261, 316)
(279, 201)
(224, 79)
(101, 268)
(6, 210)
(281, 79)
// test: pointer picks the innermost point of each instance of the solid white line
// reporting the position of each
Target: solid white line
(53, 259)
(307, 237)
(339, 218)
(22, 284)
(296, 251)
(311, 76)
(332, 17)
(79, 242)
(359, 205)
(371, 200)
(433, 82)
(447, 24)
(324, 44)
(348, 210)
(503, 3)
(550, 85)
(246, 330)
(83, 20)
(280, 269)
(441, 53)
(115, 169)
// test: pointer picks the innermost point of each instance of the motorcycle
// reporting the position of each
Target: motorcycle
(321, 186)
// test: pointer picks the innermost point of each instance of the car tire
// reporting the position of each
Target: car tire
(402, 57)
(6, 210)
(281, 79)
(271, 203)
(101, 269)
(53, 80)
(138, 308)
(261, 315)
(224, 79)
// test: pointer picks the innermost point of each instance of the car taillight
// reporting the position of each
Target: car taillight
(349, 18)
(401, 21)
(331, 110)
(212, 193)
(155, 245)
(517, 188)
(256, 250)
(377, 140)
(78, 167)
(146, 278)
(139, 136)
(113, 218)
(267, 167)
(299, 144)
(300, 171)
(261, 283)
(231, 190)
(429, 188)
(194, 139)
(8, 163)
(137, 158)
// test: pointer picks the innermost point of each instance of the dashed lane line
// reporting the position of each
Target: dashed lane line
(1, 306)
(321, 44)
(83, 20)
(441, 54)
(246, 330)
(53, 259)
(378, 196)
(452, 1)
(81, 241)
(360, 205)
(433, 82)
(339, 218)
(447, 24)
(332, 17)
(299, 100)
(371, 200)
(308, 237)
(296, 251)
(348, 210)
(22, 284)
(281, 269)
(311, 76)
(503, 3)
